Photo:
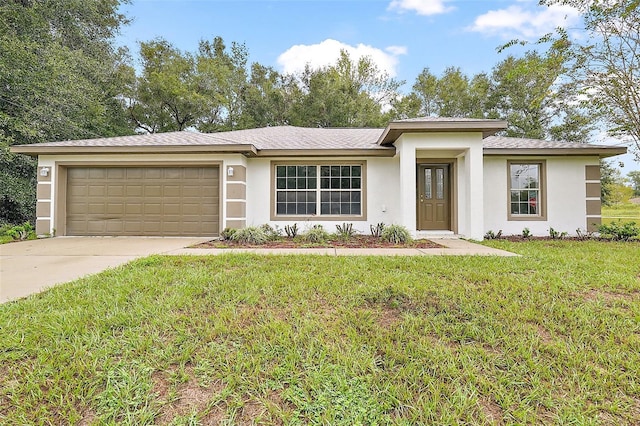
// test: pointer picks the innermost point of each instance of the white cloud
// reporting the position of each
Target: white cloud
(528, 23)
(327, 52)
(421, 7)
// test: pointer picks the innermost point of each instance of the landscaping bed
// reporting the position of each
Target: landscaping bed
(356, 241)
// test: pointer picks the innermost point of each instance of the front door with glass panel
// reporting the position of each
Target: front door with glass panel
(434, 199)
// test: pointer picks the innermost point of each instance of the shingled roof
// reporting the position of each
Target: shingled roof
(290, 140)
(502, 145)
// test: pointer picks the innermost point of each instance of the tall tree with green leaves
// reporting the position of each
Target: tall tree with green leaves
(634, 179)
(606, 62)
(222, 74)
(269, 98)
(351, 93)
(60, 78)
(166, 96)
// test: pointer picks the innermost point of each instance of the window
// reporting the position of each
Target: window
(318, 190)
(526, 190)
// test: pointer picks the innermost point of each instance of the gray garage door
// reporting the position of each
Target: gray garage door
(171, 201)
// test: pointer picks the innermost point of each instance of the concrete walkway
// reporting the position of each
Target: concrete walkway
(29, 267)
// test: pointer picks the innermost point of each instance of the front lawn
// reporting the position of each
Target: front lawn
(626, 212)
(551, 337)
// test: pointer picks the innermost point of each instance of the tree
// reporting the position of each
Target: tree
(348, 94)
(166, 96)
(451, 95)
(60, 78)
(525, 92)
(606, 63)
(222, 77)
(269, 98)
(634, 178)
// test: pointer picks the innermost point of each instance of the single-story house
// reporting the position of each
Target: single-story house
(432, 175)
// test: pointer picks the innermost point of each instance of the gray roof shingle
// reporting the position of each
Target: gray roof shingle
(279, 137)
(290, 138)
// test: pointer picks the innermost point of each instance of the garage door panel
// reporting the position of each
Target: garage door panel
(94, 173)
(134, 190)
(96, 209)
(143, 201)
(153, 173)
(96, 226)
(117, 209)
(153, 191)
(115, 227)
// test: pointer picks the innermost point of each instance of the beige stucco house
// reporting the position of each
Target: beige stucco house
(432, 175)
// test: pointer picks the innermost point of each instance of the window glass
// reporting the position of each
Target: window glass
(524, 179)
(339, 189)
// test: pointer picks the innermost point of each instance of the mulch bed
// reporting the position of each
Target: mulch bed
(357, 241)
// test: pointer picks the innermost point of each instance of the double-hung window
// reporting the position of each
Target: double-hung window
(526, 190)
(323, 190)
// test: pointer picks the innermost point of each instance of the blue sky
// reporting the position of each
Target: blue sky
(402, 36)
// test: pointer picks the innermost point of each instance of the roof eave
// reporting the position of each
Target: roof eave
(602, 152)
(374, 152)
(35, 150)
(396, 128)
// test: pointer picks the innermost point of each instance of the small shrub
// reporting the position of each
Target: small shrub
(345, 231)
(19, 232)
(227, 234)
(526, 233)
(556, 235)
(396, 234)
(291, 230)
(272, 233)
(618, 230)
(583, 234)
(316, 234)
(250, 235)
(376, 231)
(490, 235)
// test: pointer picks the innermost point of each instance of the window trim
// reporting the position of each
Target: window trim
(542, 216)
(319, 217)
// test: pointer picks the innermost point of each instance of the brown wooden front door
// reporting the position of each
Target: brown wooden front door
(433, 198)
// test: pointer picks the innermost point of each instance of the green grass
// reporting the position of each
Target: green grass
(551, 337)
(625, 212)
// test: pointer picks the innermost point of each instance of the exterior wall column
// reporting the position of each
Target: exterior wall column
(44, 200)
(474, 192)
(235, 196)
(593, 199)
(407, 153)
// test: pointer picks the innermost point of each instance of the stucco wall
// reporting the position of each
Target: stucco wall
(382, 183)
(565, 196)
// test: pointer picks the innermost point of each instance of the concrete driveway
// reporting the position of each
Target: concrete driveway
(28, 267)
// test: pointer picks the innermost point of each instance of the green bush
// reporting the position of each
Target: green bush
(250, 235)
(376, 231)
(396, 234)
(19, 232)
(316, 234)
(17, 186)
(345, 231)
(291, 230)
(618, 230)
(556, 235)
(272, 233)
(227, 234)
(490, 235)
